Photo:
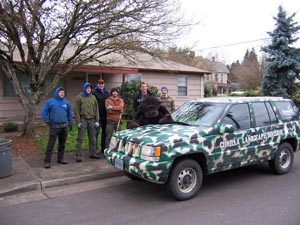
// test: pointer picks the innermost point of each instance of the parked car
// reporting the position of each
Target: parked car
(208, 136)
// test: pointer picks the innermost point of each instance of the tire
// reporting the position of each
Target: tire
(283, 161)
(132, 177)
(185, 179)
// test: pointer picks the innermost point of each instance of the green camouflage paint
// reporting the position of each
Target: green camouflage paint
(219, 148)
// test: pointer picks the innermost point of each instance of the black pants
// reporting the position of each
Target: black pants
(62, 134)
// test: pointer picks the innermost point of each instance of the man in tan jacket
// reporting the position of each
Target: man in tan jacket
(114, 106)
(166, 100)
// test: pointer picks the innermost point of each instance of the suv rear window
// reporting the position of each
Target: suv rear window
(286, 111)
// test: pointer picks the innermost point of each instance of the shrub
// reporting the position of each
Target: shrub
(128, 91)
(10, 126)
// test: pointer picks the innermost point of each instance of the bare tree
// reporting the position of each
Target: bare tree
(37, 33)
(249, 73)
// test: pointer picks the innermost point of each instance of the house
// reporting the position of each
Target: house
(218, 76)
(184, 82)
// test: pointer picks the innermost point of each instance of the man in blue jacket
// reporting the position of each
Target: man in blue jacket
(57, 113)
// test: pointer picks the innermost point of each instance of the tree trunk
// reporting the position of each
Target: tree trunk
(28, 126)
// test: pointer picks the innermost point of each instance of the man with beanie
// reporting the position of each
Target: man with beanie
(87, 117)
(57, 113)
(166, 100)
(101, 95)
(114, 106)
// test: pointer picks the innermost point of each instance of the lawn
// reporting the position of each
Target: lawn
(42, 139)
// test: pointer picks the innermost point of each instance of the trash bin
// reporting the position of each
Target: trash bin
(5, 158)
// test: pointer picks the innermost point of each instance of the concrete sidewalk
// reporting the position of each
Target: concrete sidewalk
(29, 173)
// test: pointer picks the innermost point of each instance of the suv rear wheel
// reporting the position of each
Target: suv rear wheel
(185, 179)
(284, 158)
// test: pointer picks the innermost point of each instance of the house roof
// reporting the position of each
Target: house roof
(144, 62)
(137, 62)
(212, 66)
(218, 67)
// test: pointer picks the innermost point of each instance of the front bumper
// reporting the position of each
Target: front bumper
(156, 172)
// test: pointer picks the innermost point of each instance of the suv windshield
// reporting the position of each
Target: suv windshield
(199, 113)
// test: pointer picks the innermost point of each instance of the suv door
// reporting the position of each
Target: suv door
(232, 148)
(265, 125)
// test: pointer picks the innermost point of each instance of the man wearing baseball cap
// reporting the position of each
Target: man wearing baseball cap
(101, 95)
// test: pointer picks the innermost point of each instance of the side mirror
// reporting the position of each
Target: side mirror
(226, 128)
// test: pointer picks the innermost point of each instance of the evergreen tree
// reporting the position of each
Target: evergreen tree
(283, 61)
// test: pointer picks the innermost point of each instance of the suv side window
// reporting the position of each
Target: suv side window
(263, 113)
(238, 116)
(286, 111)
(260, 114)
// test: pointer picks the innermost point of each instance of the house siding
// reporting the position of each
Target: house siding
(11, 108)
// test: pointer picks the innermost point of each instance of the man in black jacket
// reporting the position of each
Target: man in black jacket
(101, 95)
(139, 97)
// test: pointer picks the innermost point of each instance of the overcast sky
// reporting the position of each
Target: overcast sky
(232, 22)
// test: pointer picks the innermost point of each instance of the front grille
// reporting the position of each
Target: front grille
(130, 148)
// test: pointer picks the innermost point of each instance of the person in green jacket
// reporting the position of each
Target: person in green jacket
(87, 117)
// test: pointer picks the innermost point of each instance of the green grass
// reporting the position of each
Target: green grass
(42, 140)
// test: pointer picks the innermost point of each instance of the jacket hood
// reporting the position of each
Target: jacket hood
(56, 96)
(84, 89)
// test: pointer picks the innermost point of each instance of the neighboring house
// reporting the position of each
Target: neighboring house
(184, 82)
(218, 76)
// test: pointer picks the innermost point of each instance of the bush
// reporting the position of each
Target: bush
(128, 91)
(209, 90)
(10, 126)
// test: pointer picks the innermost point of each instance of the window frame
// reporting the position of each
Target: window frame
(8, 85)
(182, 90)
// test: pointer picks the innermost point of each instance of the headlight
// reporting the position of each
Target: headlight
(150, 153)
(113, 142)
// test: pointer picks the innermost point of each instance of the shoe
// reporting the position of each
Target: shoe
(95, 157)
(47, 165)
(62, 162)
(78, 159)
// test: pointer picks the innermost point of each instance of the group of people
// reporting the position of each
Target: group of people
(94, 110)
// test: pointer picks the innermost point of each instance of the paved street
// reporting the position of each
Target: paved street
(246, 196)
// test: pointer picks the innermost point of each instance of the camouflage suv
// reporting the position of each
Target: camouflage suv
(208, 136)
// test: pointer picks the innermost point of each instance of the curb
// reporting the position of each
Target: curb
(40, 185)
(79, 179)
(21, 188)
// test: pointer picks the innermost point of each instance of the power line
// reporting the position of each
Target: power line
(233, 44)
(238, 43)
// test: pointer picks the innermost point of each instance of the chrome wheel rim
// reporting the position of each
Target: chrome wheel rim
(284, 159)
(187, 180)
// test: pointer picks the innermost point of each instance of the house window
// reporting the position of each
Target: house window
(9, 90)
(132, 77)
(182, 85)
(93, 78)
(216, 77)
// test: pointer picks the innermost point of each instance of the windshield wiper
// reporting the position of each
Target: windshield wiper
(181, 123)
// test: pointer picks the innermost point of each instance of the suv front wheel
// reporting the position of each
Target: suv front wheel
(185, 179)
(284, 158)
